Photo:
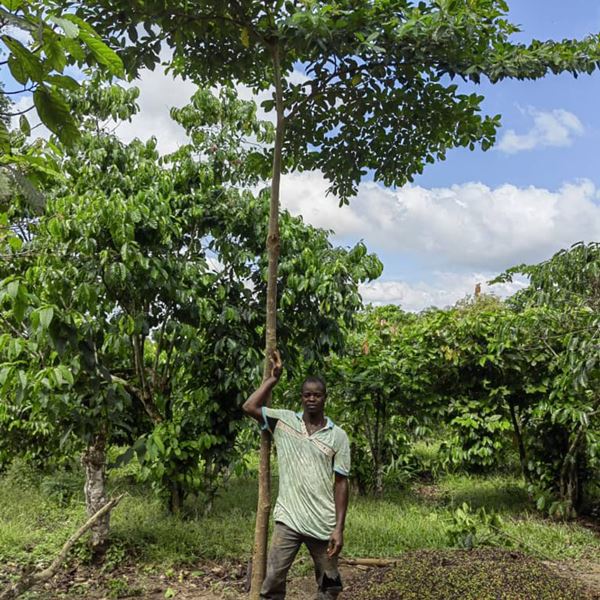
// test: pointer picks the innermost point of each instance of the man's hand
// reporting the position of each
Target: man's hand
(336, 543)
(254, 405)
(276, 365)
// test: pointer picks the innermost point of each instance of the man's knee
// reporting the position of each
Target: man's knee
(330, 585)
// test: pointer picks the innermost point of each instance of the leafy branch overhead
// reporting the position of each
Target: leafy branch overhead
(40, 43)
(372, 90)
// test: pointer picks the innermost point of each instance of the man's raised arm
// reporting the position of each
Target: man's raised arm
(253, 406)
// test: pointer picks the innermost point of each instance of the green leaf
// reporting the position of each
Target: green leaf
(13, 289)
(24, 125)
(4, 374)
(54, 112)
(12, 4)
(29, 62)
(4, 138)
(102, 53)
(64, 81)
(245, 37)
(18, 70)
(159, 443)
(67, 374)
(58, 376)
(46, 315)
(71, 29)
(55, 55)
(15, 243)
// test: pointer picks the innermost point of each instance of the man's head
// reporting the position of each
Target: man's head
(313, 393)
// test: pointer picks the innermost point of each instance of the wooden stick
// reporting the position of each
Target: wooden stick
(27, 581)
(367, 562)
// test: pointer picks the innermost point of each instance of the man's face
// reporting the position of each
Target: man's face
(313, 397)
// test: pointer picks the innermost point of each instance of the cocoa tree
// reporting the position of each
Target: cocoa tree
(138, 300)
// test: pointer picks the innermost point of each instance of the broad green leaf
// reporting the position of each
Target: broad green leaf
(12, 4)
(29, 62)
(105, 56)
(71, 29)
(159, 443)
(54, 112)
(18, 70)
(15, 243)
(24, 125)
(13, 288)
(4, 138)
(64, 81)
(55, 55)
(46, 315)
(245, 37)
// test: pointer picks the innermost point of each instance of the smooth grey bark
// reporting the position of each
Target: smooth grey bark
(94, 464)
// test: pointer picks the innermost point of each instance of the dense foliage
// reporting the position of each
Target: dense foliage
(376, 91)
(134, 307)
(494, 379)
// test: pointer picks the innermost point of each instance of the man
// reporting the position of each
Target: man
(314, 462)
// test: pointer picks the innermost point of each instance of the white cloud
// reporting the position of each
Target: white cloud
(445, 289)
(159, 92)
(464, 227)
(554, 128)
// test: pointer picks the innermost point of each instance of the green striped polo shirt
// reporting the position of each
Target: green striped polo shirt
(305, 502)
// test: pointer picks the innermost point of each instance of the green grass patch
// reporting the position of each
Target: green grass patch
(36, 518)
(503, 493)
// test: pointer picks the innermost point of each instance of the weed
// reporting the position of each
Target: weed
(468, 528)
(120, 588)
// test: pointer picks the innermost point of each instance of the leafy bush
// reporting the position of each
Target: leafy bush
(468, 528)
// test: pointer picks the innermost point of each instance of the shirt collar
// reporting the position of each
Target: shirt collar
(329, 422)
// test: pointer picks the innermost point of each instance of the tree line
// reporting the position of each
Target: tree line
(490, 377)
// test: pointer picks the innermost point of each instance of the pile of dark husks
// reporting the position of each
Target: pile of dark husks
(481, 574)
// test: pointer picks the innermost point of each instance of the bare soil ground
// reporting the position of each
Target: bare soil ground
(422, 575)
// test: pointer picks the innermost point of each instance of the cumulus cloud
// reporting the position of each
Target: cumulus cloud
(550, 129)
(159, 92)
(444, 289)
(465, 227)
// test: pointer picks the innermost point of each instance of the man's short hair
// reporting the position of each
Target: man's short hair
(314, 379)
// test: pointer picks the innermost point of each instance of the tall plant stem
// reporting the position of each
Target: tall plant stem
(259, 555)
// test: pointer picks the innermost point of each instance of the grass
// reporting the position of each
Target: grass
(35, 522)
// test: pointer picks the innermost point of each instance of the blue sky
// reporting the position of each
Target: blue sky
(466, 219)
(544, 167)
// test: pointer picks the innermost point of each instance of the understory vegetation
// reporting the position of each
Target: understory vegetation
(38, 511)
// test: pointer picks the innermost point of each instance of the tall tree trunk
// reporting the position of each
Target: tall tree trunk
(378, 451)
(259, 555)
(175, 497)
(569, 483)
(94, 463)
(520, 444)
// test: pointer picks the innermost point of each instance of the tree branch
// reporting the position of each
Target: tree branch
(134, 391)
(23, 91)
(29, 580)
(21, 112)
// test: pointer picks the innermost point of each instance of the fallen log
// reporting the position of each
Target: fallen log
(367, 562)
(28, 580)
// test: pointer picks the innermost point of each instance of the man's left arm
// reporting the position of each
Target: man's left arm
(336, 541)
